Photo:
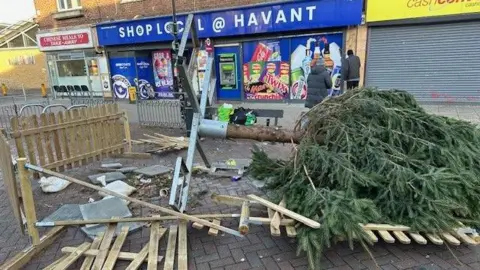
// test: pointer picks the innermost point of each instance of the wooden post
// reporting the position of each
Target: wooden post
(128, 136)
(244, 216)
(28, 204)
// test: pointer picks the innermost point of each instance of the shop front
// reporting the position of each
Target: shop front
(262, 52)
(74, 67)
(428, 48)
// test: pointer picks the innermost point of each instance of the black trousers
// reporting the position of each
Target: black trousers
(352, 84)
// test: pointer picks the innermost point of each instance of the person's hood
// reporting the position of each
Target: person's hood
(318, 69)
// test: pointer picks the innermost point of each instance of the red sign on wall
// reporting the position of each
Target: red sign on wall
(71, 39)
(63, 40)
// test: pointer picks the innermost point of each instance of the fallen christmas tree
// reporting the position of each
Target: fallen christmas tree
(376, 156)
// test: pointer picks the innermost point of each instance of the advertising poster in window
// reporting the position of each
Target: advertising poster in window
(163, 73)
(266, 69)
(144, 80)
(123, 75)
(305, 51)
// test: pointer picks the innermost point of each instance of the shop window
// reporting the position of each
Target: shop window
(71, 68)
(64, 5)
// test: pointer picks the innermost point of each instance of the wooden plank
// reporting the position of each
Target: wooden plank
(418, 238)
(267, 221)
(434, 239)
(384, 227)
(115, 251)
(28, 202)
(170, 253)
(24, 256)
(134, 155)
(273, 231)
(386, 236)
(118, 127)
(276, 217)
(93, 132)
(10, 181)
(87, 263)
(182, 246)
(79, 130)
(465, 238)
(73, 123)
(126, 256)
(107, 131)
(64, 140)
(156, 233)
(136, 219)
(87, 135)
(29, 140)
(39, 143)
(230, 200)
(72, 143)
(56, 139)
(127, 134)
(134, 200)
(371, 235)
(244, 216)
(450, 239)
(139, 259)
(18, 140)
(198, 226)
(47, 136)
(402, 237)
(213, 231)
(291, 231)
(309, 222)
(104, 246)
(99, 131)
(73, 257)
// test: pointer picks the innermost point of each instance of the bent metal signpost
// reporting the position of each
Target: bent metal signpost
(250, 20)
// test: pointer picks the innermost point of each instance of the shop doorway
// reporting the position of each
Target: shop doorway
(228, 66)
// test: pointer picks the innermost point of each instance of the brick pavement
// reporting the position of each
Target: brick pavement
(258, 250)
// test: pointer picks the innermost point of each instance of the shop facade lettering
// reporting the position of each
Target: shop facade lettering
(249, 20)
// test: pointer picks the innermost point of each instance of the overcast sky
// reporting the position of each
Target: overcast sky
(14, 10)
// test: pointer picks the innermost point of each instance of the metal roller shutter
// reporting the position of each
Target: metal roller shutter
(436, 63)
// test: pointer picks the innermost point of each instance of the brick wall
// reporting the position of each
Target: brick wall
(23, 67)
(96, 11)
(357, 41)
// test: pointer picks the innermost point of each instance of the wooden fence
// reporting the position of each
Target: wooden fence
(72, 138)
(9, 179)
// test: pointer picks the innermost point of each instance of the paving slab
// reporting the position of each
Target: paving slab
(112, 165)
(127, 169)
(66, 212)
(109, 177)
(105, 209)
(154, 170)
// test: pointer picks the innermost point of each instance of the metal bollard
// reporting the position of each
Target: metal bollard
(4, 89)
(43, 89)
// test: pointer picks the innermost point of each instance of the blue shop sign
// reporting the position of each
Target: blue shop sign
(297, 15)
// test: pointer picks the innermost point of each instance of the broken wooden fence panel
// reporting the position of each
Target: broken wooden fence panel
(71, 138)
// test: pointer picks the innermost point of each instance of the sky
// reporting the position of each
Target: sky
(12, 11)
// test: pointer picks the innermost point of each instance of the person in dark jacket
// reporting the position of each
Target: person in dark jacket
(351, 70)
(318, 83)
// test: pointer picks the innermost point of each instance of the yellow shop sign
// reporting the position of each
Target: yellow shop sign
(387, 10)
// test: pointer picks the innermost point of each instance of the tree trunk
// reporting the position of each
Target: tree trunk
(261, 133)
